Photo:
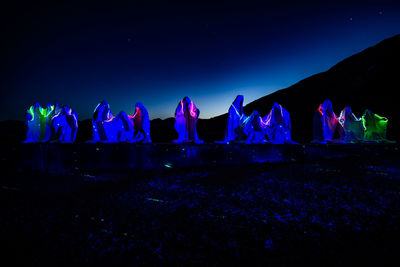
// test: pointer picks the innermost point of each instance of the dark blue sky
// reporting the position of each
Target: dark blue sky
(81, 54)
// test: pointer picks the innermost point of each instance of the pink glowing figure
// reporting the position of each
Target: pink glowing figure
(326, 124)
(141, 125)
(186, 116)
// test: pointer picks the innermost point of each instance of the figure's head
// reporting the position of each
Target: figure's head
(139, 105)
(327, 108)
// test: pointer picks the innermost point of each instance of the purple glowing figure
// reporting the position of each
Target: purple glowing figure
(186, 116)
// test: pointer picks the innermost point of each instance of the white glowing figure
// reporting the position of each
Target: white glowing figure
(352, 126)
(278, 125)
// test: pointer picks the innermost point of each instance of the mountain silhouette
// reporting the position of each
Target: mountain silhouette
(369, 79)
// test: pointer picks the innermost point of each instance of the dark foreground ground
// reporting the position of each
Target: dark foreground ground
(327, 213)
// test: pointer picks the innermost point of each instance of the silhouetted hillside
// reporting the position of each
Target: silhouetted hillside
(368, 79)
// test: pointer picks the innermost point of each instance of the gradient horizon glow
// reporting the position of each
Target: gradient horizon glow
(158, 54)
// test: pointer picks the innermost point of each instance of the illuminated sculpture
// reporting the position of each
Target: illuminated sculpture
(278, 125)
(186, 116)
(141, 125)
(38, 122)
(101, 113)
(255, 129)
(352, 126)
(118, 128)
(234, 129)
(65, 125)
(326, 123)
(121, 128)
(374, 126)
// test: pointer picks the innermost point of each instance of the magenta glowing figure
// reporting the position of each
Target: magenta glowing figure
(352, 126)
(255, 129)
(234, 131)
(278, 125)
(65, 125)
(141, 125)
(186, 116)
(326, 124)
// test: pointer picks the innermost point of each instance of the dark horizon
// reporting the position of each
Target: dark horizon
(157, 55)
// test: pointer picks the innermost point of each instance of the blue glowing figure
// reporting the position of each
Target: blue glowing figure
(102, 113)
(118, 128)
(234, 129)
(141, 125)
(38, 123)
(65, 125)
(326, 124)
(352, 126)
(255, 129)
(278, 125)
(186, 116)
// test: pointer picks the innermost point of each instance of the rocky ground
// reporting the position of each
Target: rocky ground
(327, 213)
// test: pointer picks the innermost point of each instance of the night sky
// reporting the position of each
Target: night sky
(81, 54)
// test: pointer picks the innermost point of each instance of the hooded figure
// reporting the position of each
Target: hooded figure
(186, 115)
(278, 125)
(374, 126)
(255, 129)
(38, 123)
(141, 125)
(32, 122)
(65, 125)
(118, 129)
(352, 126)
(326, 124)
(234, 131)
(101, 113)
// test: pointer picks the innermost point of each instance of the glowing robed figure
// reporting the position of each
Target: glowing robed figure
(101, 113)
(234, 129)
(352, 126)
(141, 125)
(118, 128)
(186, 116)
(65, 125)
(326, 124)
(374, 126)
(278, 125)
(38, 123)
(255, 129)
